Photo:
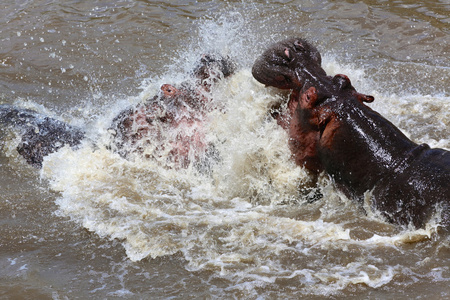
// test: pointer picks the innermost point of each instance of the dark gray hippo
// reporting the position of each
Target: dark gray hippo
(40, 135)
(331, 129)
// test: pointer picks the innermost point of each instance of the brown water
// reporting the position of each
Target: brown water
(91, 224)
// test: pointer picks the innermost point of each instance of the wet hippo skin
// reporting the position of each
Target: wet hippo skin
(331, 129)
(40, 135)
(173, 121)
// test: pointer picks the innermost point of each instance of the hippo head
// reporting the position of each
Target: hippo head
(288, 64)
(319, 109)
(213, 66)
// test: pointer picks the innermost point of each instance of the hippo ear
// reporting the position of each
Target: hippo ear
(364, 98)
(343, 82)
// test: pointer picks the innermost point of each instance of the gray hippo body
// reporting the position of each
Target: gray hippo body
(40, 135)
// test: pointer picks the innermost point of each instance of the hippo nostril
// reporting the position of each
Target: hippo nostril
(287, 53)
(298, 45)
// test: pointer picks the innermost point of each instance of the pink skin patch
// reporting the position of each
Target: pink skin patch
(174, 126)
(170, 127)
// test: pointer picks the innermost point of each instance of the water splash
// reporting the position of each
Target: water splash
(244, 220)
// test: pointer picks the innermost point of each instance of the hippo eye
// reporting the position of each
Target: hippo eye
(168, 90)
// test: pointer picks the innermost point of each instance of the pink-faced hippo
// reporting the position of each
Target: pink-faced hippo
(173, 122)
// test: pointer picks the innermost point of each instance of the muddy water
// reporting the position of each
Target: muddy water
(91, 224)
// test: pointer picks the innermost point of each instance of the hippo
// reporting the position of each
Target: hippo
(173, 121)
(179, 110)
(40, 135)
(332, 130)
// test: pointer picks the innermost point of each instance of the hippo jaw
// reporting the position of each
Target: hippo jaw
(305, 130)
(288, 64)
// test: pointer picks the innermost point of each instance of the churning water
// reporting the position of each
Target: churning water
(92, 224)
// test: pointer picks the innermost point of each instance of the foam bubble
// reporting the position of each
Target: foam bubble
(244, 219)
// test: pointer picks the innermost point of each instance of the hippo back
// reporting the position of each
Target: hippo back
(416, 188)
(40, 135)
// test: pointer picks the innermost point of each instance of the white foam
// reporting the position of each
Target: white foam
(234, 222)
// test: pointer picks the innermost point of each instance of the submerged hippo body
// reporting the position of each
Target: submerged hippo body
(40, 135)
(332, 130)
